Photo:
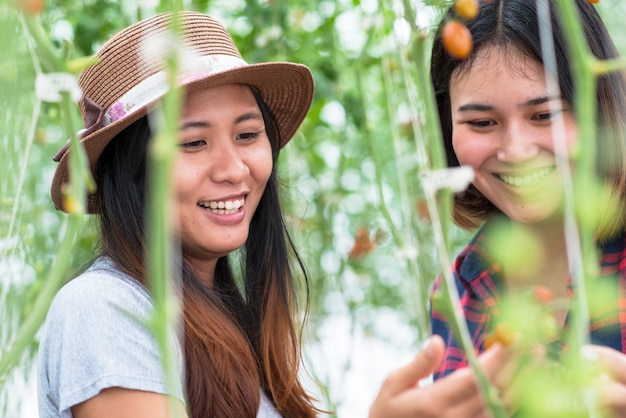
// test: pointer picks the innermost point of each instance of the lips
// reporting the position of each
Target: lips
(223, 207)
(527, 180)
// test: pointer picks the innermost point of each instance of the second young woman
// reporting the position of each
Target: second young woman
(499, 116)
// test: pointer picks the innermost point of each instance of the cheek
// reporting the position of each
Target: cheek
(184, 181)
(571, 134)
(267, 168)
(461, 145)
(261, 163)
(471, 148)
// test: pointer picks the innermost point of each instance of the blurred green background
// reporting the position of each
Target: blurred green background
(350, 177)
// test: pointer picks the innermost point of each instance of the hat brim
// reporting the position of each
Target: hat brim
(287, 89)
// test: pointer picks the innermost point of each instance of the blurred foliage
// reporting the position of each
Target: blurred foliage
(351, 178)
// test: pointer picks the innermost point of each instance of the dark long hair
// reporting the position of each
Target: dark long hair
(236, 343)
(513, 25)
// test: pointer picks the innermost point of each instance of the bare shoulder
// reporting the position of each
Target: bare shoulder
(120, 402)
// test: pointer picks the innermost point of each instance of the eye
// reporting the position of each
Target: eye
(546, 116)
(248, 136)
(485, 123)
(192, 145)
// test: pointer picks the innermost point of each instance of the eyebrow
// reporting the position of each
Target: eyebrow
(203, 124)
(484, 108)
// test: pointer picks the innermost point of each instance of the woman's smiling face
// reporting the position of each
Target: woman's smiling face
(222, 168)
(502, 126)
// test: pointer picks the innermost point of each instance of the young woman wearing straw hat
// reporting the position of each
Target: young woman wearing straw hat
(237, 355)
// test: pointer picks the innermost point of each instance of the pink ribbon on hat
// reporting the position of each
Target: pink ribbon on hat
(147, 91)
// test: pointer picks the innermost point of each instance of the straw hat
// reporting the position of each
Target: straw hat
(129, 80)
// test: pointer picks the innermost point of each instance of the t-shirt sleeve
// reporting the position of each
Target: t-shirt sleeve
(95, 337)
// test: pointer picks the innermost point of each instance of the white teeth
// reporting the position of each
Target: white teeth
(528, 180)
(223, 207)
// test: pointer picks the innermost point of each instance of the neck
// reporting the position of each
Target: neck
(546, 264)
(552, 236)
(541, 255)
(204, 270)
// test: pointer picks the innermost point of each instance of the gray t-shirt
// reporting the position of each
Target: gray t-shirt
(95, 337)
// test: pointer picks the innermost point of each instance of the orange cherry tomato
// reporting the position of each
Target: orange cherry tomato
(490, 340)
(31, 7)
(467, 9)
(542, 294)
(457, 39)
(504, 334)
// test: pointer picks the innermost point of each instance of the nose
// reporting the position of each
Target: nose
(228, 164)
(518, 144)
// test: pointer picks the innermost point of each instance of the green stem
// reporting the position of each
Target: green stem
(408, 241)
(51, 284)
(50, 57)
(369, 139)
(583, 64)
(440, 212)
(609, 66)
(584, 67)
(18, 190)
(437, 157)
(79, 181)
(160, 249)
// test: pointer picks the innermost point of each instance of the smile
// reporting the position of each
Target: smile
(528, 180)
(223, 207)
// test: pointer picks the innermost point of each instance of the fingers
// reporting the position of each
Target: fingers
(400, 395)
(612, 397)
(471, 406)
(461, 385)
(456, 395)
(461, 390)
(611, 385)
(458, 386)
(612, 361)
(495, 364)
(451, 397)
(425, 363)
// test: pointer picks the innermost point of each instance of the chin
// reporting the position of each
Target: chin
(231, 246)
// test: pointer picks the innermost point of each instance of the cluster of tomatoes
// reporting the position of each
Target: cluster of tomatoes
(456, 38)
(505, 333)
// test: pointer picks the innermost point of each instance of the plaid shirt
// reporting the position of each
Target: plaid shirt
(479, 286)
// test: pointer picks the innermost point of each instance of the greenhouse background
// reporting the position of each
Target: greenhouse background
(350, 176)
